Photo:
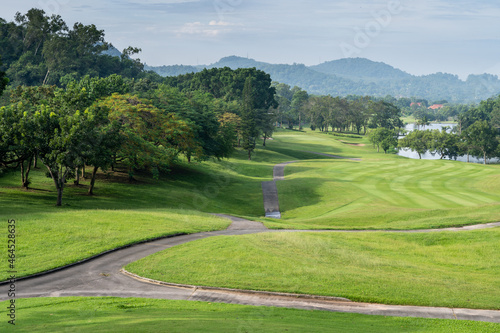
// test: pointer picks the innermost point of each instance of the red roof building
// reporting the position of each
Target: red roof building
(436, 106)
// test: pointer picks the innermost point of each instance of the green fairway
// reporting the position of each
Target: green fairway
(381, 191)
(148, 315)
(436, 269)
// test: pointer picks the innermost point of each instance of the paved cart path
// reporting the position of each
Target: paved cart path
(103, 276)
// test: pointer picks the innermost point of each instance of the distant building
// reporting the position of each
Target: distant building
(436, 107)
(415, 104)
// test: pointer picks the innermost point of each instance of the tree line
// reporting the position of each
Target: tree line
(325, 113)
(138, 124)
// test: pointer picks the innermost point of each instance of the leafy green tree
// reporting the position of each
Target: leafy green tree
(18, 128)
(417, 141)
(152, 139)
(360, 114)
(445, 144)
(248, 115)
(16, 136)
(383, 138)
(385, 115)
(298, 104)
(56, 135)
(201, 112)
(422, 122)
(4, 81)
(483, 138)
(231, 127)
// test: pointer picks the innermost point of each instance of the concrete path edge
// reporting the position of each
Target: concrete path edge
(239, 291)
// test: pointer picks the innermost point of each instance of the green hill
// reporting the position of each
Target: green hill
(358, 76)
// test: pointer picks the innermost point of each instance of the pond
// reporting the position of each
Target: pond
(428, 156)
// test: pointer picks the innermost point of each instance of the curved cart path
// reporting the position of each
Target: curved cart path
(104, 276)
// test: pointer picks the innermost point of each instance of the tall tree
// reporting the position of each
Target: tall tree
(298, 104)
(383, 138)
(445, 144)
(16, 137)
(152, 138)
(385, 115)
(4, 81)
(483, 138)
(418, 141)
(249, 114)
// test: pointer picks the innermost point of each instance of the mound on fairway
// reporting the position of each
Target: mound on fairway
(436, 269)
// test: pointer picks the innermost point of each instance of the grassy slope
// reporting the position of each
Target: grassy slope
(147, 315)
(437, 269)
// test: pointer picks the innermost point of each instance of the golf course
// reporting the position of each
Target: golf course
(365, 227)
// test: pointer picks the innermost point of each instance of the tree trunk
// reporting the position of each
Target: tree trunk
(22, 173)
(46, 77)
(77, 180)
(419, 156)
(249, 155)
(484, 154)
(35, 161)
(265, 137)
(92, 181)
(26, 183)
(83, 171)
(59, 196)
(25, 172)
(59, 180)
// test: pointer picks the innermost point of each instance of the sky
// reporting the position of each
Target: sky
(421, 37)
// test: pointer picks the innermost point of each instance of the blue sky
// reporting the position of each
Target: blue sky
(418, 36)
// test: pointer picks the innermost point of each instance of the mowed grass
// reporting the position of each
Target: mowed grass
(447, 269)
(50, 240)
(381, 191)
(149, 315)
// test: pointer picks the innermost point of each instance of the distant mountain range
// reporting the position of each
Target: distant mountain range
(359, 76)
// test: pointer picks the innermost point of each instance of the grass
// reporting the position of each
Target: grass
(437, 269)
(148, 315)
(47, 240)
(380, 192)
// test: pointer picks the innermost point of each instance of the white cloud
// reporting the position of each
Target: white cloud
(220, 23)
(212, 29)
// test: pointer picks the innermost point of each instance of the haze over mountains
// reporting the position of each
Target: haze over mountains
(359, 76)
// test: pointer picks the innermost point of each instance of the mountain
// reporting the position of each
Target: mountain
(360, 68)
(359, 76)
